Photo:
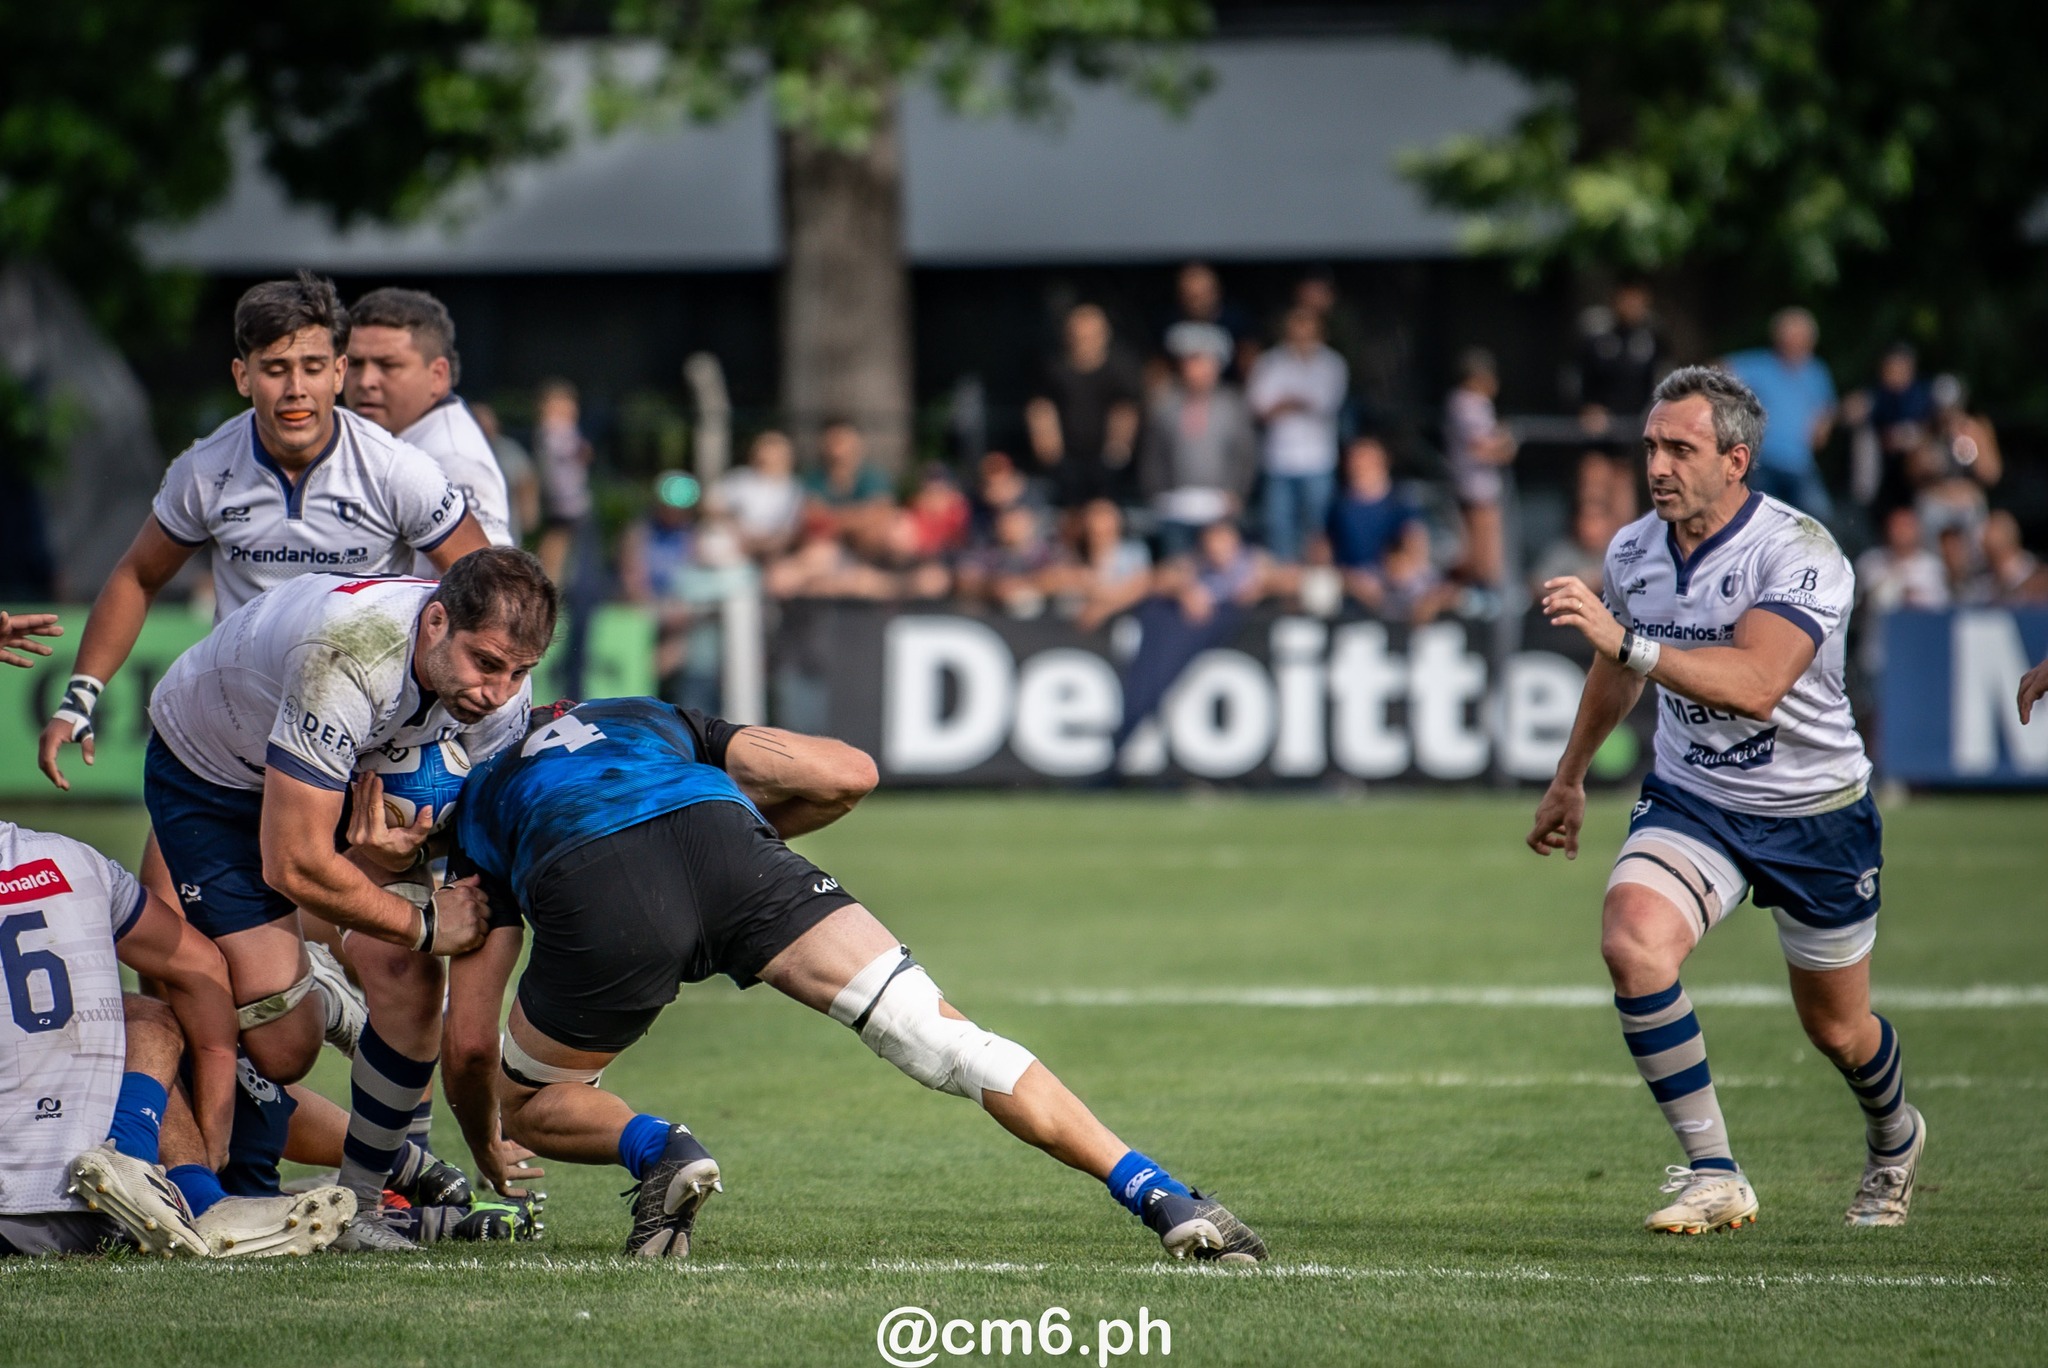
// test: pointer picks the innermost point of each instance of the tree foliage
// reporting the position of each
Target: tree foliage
(831, 66)
(1880, 156)
(121, 115)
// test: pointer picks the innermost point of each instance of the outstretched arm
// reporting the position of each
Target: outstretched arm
(162, 945)
(799, 782)
(1610, 693)
(469, 1055)
(15, 631)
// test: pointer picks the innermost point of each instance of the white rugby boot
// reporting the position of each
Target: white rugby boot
(344, 1012)
(1708, 1199)
(141, 1198)
(1887, 1187)
(264, 1227)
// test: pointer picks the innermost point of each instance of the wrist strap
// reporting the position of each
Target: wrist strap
(1639, 654)
(81, 695)
(426, 940)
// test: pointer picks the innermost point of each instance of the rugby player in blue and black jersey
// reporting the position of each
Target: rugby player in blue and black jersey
(643, 845)
(1737, 607)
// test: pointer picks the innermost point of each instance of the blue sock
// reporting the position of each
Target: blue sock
(138, 1116)
(199, 1184)
(642, 1142)
(1134, 1176)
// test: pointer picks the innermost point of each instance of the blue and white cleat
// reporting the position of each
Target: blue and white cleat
(666, 1201)
(1201, 1227)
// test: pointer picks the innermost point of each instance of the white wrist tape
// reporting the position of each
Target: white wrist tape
(894, 1005)
(1640, 653)
(81, 695)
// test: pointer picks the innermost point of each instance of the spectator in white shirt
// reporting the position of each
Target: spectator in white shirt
(1297, 390)
(763, 497)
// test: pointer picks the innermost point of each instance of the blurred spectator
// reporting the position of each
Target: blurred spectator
(1479, 449)
(928, 532)
(565, 458)
(1891, 419)
(1901, 572)
(1620, 358)
(1342, 328)
(683, 562)
(1198, 298)
(1583, 554)
(1297, 390)
(1108, 572)
(1608, 482)
(1953, 466)
(1083, 422)
(1411, 588)
(1199, 456)
(1369, 519)
(1798, 395)
(848, 493)
(1961, 565)
(2013, 576)
(1009, 572)
(522, 478)
(763, 497)
(1197, 602)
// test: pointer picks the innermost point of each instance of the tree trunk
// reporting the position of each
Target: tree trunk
(845, 292)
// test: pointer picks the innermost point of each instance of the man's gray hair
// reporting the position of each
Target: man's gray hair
(1738, 414)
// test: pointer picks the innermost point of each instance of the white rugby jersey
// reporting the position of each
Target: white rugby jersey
(448, 432)
(63, 1042)
(304, 678)
(1808, 757)
(364, 507)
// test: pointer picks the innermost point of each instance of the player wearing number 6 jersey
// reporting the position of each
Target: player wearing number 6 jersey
(1736, 606)
(643, 844)
(258, 729)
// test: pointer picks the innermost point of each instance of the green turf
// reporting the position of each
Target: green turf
(1438, 1184)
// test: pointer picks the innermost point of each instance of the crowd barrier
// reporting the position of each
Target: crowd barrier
(1946, 715)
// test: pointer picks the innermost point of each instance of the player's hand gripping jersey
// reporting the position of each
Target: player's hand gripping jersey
(364, 507)
(305, 678)
(63, 1041)
(1807, 758)
(599, 769)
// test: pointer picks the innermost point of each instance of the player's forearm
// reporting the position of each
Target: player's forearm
(808, 781)
(329, 885)
(1609, 694)
(469, 1042)
(114, 624)
(1724, 678)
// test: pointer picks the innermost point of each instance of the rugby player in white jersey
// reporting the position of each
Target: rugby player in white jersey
(93, 1108)
(1736, 606)
(290, 486)
(258, 729)
(402, 373)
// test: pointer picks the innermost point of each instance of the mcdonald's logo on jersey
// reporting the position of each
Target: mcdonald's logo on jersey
(36, 879)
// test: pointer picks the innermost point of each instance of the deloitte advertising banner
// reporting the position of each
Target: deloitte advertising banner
(620, 660)
(940, 696)
(1949, 715)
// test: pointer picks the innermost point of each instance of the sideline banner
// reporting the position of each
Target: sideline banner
(1948, 711)
(944, 696)
(620, 661)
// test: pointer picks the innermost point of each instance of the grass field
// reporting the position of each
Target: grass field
(1441, 1180)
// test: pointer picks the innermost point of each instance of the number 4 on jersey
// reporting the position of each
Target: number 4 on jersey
(567, 732)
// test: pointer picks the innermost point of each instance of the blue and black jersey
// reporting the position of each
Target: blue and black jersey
(604, 767)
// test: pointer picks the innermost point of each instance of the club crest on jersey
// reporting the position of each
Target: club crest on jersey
(1866, 886)
(1731, 583)
(350, 511)
(1752, 752)
(1628, 553)
(1642, 806)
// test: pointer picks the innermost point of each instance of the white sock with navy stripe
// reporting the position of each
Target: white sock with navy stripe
(384, 1087)
(1880, 1086)
(1671, 1055)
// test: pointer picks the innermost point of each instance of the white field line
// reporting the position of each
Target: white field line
(1454, 1079)
(1980, 997)
(923, 1268)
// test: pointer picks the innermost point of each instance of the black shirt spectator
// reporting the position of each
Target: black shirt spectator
(1619, 358)
(1084, 420)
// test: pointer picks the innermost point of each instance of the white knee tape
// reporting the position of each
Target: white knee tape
(269, 1009)
(894, 1005)
(1698, 881)
(523, 1068)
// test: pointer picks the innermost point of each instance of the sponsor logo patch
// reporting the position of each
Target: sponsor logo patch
(1750, 753)
(34, 880)
(49, 1109)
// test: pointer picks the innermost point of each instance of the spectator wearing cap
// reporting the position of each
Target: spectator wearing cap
(1200, 455)
(1198, 298)
(1479, 450)
(1798, 394)
(1083, 423)
(1297, 389)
